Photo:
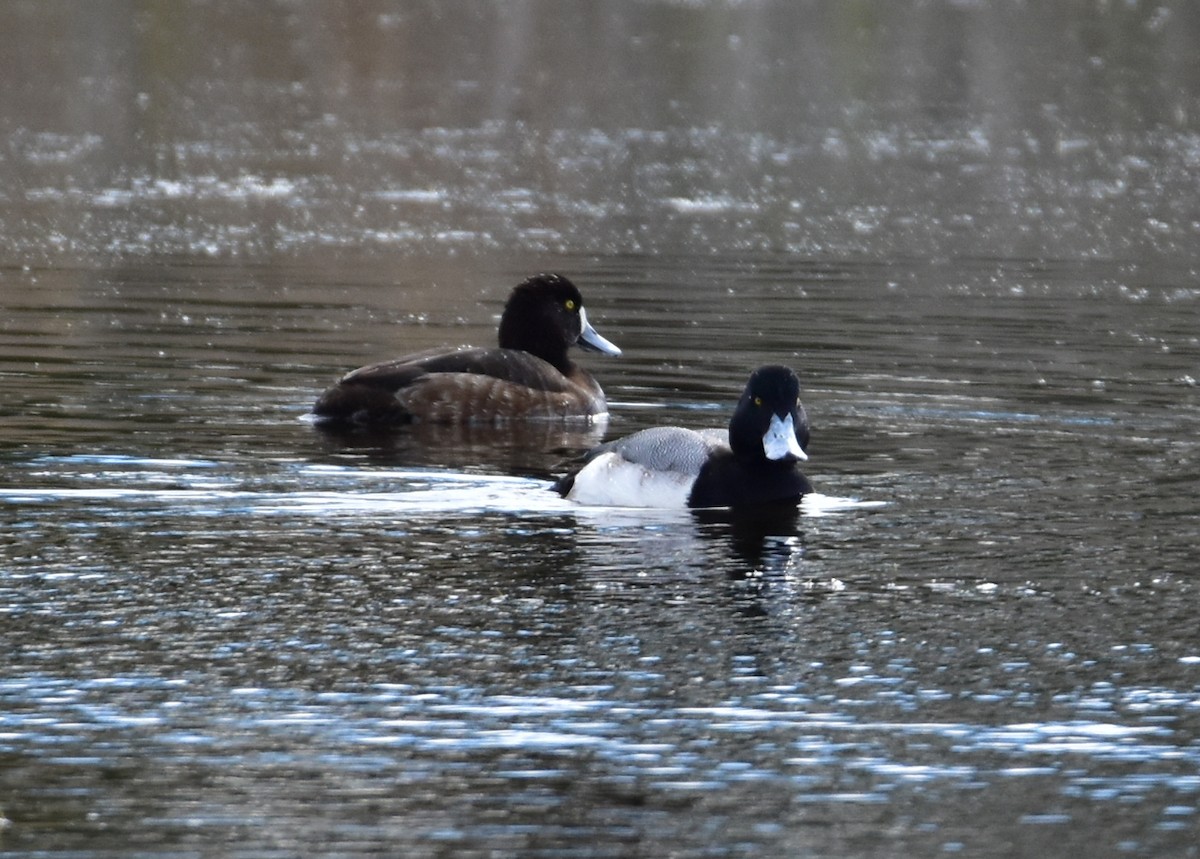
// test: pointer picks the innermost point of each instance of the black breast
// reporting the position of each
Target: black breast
(725, 481)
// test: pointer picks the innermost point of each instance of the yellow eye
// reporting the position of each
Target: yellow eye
(570, 304)
(758, 401)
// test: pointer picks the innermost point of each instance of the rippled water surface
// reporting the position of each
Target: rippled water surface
(972, 230)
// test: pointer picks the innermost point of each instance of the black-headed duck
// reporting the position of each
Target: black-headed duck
(528, 376)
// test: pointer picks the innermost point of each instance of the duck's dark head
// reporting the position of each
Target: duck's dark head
(770, 422)
(544, 316)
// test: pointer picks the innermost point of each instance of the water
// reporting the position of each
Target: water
(971, 230)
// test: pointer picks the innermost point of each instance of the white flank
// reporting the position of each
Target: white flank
(611, 481)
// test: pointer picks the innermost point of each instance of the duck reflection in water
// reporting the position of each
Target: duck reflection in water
(763, 539)
(524, 448)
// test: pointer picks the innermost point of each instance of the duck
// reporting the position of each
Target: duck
(528, 376)
(754, 462)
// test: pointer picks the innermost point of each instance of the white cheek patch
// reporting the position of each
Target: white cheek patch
(611, 481)
(779, 441)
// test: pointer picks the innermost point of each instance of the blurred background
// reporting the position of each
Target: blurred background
(831, 129)
(972, 228)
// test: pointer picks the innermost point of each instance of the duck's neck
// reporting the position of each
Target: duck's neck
(550, 351)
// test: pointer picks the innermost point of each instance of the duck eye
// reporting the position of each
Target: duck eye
(758, 401)
(570, 304)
